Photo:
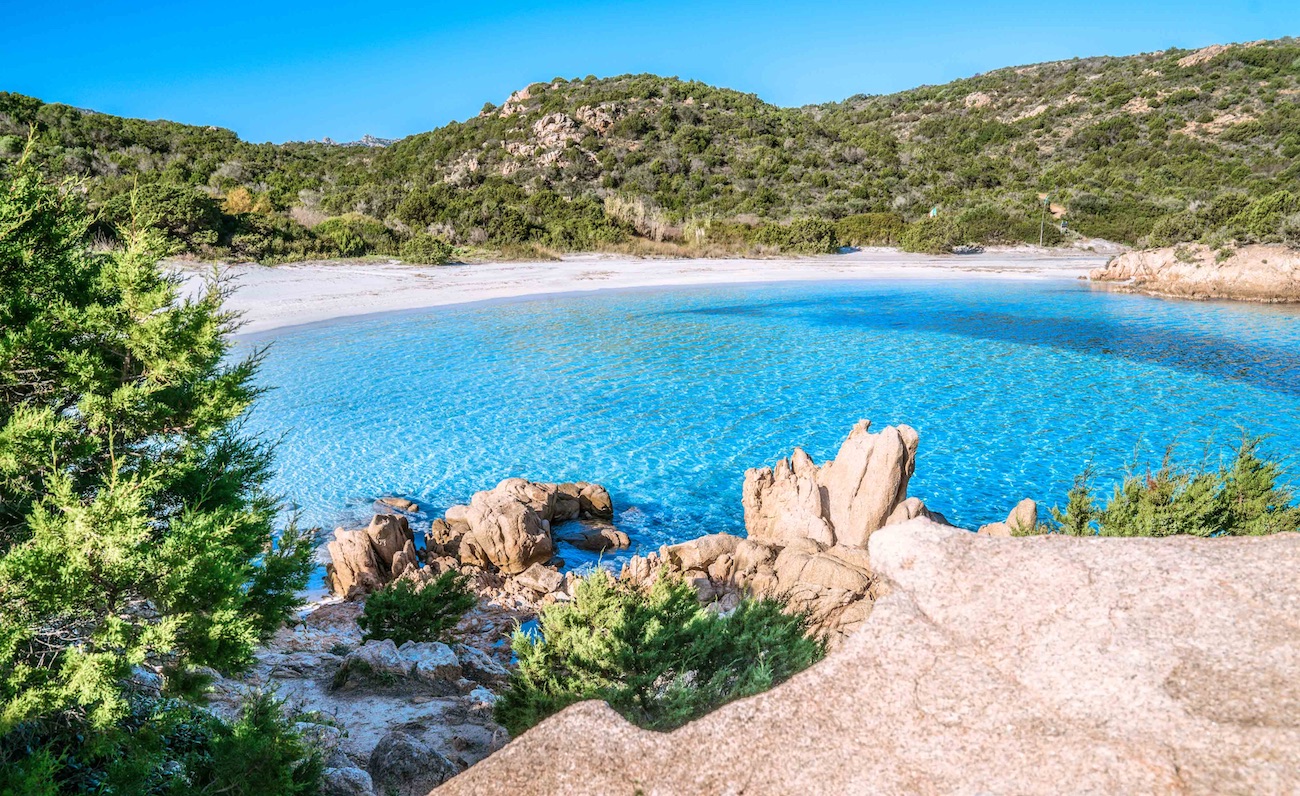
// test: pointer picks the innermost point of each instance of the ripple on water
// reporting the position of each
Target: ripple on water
(667, 397)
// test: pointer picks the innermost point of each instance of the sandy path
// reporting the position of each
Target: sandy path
(290, 295)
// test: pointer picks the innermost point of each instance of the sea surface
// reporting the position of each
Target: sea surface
(667, 396)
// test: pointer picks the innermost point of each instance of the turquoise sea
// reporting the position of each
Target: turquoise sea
(666, 396)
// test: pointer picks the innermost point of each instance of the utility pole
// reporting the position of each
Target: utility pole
(1042, 218)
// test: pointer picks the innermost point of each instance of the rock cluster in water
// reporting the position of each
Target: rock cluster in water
(505, 537)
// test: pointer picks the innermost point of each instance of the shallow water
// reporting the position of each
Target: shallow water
(667, 396)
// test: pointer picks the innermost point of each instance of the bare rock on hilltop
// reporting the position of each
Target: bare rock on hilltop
(1031, 665)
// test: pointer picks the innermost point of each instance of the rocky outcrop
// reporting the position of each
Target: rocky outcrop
(807, 529)
(506, 530)
(1023, 519)
(1034, 665)
(364, 560)
(404, 765)
(440, 695)
(842, 502)
(1269, 274)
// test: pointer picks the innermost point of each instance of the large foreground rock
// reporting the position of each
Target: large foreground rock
(1251, 273)
(994, 665)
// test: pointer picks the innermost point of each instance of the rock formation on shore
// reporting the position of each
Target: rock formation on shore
(807, 530)
(1260, 273)
(1035, 665)
(506, 533)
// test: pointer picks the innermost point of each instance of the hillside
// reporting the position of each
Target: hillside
(1159, 148)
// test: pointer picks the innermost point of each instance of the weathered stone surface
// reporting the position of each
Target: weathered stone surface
(431, 661)
(479, 666)
(1266, 273)
(1033, 665)
(399, 503)
(403, 765)
(346, 781)
(700, 553)
(505, 531)
(382, 657)
(595, 538)
(540, 578)
(354, 566)
(388, 533)
(785, 502)
(1023, 518)
(842, 502)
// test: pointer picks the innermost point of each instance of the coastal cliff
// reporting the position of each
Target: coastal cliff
(1269, 274)
(1026, 665)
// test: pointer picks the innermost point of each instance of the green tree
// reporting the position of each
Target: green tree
(135, 523)
(403, 612)
(655, 656)
(1242, 498)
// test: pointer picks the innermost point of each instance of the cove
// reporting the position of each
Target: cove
(667, 396)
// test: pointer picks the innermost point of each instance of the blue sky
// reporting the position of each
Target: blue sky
(275, 70)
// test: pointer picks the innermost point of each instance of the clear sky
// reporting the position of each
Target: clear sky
(274, 70)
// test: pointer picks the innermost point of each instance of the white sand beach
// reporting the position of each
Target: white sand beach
(272, 297)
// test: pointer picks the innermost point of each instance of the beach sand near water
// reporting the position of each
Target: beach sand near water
(272, 297)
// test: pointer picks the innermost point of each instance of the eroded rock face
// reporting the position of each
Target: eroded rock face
(1031, 665)
(362, 561)
(509, 528)
(842, 502)
(1265, 273)
(403, 765)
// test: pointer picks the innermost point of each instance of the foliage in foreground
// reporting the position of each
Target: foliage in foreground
(164, 747)
(655, 656)
(1241, 498)
(135, 524)
(402, 612)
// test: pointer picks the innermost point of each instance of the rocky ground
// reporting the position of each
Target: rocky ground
(1038, 665)
(1269, 274)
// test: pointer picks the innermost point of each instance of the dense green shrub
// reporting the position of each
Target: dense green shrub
(187, 217)
(164, 747)
(405, 612)
(1239, 499)
(655, 656)
(136, 527)
(869, 229)
(931, 236)
(803, 235)
(354, 235)
(425, 249)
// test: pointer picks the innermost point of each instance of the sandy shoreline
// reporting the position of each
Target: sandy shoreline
(293, 295)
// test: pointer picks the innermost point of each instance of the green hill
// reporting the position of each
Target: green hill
(1155, 149)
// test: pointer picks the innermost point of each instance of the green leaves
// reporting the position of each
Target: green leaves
(404, 612)
(1243, 498)
(656, 656)
(135, 528)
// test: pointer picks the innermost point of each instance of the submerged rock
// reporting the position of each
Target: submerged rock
(1032, 665)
